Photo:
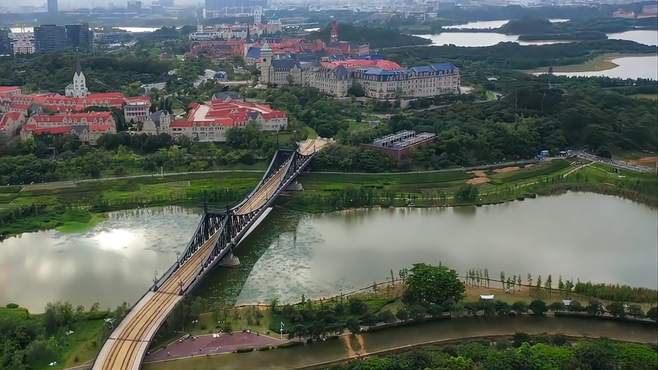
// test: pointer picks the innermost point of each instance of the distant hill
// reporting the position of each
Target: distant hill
(528, 26)
(375, 36)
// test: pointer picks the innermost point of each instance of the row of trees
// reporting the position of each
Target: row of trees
(538, 287)
(523, 352)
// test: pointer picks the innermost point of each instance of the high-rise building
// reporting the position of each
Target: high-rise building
(52, 7)
(5, 43)
(134, 6)
(78, 36)
(49, 37)
(223, 8)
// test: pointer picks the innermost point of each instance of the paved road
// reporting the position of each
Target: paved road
(622, 165)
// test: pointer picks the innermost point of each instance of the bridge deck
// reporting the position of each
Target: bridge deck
(125, 348)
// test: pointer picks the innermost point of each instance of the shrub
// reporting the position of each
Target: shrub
(538, 307)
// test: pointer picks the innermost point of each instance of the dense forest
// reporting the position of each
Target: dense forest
(511, 55)
(529, 119)
(53, 71)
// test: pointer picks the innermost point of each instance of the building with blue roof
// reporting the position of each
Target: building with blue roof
(382, 81)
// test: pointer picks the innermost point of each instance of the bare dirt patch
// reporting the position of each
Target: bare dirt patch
(480, 178)
(506, 169)
(645, 161)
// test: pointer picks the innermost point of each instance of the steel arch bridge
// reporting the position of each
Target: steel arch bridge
(214, 239)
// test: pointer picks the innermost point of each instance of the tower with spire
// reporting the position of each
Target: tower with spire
(265, 63)
(333, 36)
(78, 88)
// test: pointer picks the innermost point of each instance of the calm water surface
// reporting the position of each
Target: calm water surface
(480, 39)
(487, 25)
(627, 67)
(647, 37)
(113, 263)
(576, 235)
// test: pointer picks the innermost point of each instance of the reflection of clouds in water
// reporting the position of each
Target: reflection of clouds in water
(112, 263)
(547, 235)
(284, 270)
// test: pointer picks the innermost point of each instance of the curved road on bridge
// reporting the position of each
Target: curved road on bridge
(125, 348)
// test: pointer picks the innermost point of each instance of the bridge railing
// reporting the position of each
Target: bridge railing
(279, 157)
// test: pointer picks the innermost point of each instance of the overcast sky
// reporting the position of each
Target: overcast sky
(70, 4)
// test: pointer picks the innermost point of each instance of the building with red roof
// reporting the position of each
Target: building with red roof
(10, 90)
(87, 126)
(10, 123)
(211, 122)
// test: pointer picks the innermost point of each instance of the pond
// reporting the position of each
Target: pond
(576, 235)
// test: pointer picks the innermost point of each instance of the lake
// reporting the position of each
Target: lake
(576, 235)
(319, 255)
(480, 39)
(627, 67)
(113, 263)
(487, 25)
(647, 37)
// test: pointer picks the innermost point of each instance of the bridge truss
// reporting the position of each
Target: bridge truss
(215, 238)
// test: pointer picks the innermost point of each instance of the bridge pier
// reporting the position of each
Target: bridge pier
(230, 260)
(295, 186)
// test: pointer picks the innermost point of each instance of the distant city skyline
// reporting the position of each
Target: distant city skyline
(76, 4)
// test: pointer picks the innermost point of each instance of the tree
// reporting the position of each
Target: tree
(595, 308)
(549, 284)
(538, 307)
(357, 306)
(616, 309)
(520, 307)
(432, 284)
(575, 306)
(468, 193)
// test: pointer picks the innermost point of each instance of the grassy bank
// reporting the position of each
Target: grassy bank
(599, 63)
(326, 192)
(78, 206)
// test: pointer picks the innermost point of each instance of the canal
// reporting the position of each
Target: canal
(347, 347)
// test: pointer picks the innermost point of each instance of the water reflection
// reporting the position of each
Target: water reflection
(114, 262)
(575, 235)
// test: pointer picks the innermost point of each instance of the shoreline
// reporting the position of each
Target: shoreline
(599, 63)
(85, 219)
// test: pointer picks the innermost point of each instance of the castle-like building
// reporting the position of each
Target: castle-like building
(379, 78)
